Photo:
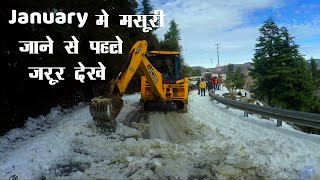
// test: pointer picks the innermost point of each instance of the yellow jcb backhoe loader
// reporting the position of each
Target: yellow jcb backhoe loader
(168, 86)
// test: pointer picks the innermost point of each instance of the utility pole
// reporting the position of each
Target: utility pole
(218, 68)
(218, 54)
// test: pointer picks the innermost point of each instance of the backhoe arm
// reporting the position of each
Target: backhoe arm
(105, 109)
(137, 59)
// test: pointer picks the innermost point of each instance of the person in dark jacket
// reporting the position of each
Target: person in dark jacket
(198, 85)
(164, 69)
(209, 84)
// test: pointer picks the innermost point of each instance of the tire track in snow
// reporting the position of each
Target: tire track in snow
(168, 126)
(164, 123)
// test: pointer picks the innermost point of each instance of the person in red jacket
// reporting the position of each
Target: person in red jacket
(214, 81)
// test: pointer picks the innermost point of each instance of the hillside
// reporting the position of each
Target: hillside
(244, 67)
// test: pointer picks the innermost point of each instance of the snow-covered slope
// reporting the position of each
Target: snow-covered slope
(221, 144)
(281, 150)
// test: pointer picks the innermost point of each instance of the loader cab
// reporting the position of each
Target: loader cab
(171, 59)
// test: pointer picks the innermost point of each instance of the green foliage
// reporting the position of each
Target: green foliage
(229, 74)
(235, 79)
(315, 73)
(150, 37)
(281, 76)
(186, 70)
(146, 7)
(173, 33)
(171, 43)
(189, 71)
(196, 72)
(172, 38)
(314, 106)
(238, 79)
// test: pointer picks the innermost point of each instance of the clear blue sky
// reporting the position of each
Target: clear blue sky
(234, 25)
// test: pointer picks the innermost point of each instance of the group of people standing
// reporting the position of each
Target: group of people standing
(208, 84)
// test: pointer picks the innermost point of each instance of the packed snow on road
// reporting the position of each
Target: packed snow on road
(208, 142)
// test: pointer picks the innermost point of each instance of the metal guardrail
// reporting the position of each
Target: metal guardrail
(301, 118)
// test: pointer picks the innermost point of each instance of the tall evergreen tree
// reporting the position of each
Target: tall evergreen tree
(263, 60)
(229, 74)
(279, 70)
(238, 78)
(150, 37)
(235, 79)
(146, 7)
(172, 38)
(315, 73)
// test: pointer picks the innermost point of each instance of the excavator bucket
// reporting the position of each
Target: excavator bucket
(104, 111)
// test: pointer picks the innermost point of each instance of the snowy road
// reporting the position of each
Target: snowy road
(208, 142)
(168, 126)
(171, 127)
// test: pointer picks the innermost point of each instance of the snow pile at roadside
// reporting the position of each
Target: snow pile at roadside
(43, 141)
(282, 151)
(227, 146)
(73, 149)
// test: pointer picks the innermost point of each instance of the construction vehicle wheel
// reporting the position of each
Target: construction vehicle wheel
(104, 111)
(145, 106)
(142, 106)
(182, 107)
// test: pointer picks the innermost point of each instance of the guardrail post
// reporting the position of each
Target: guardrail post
(245, 113)
(279, 123)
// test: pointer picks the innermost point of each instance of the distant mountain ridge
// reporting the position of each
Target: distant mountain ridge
(244, 67)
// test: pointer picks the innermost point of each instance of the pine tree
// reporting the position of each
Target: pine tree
(229, 74)
(172, 38)
(235, 79)
(150, 37)
(315, 73)
(238, 78)
(146, 7)
(279, 70)
(263, 60)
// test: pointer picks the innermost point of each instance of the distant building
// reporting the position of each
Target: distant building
(215, 74)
